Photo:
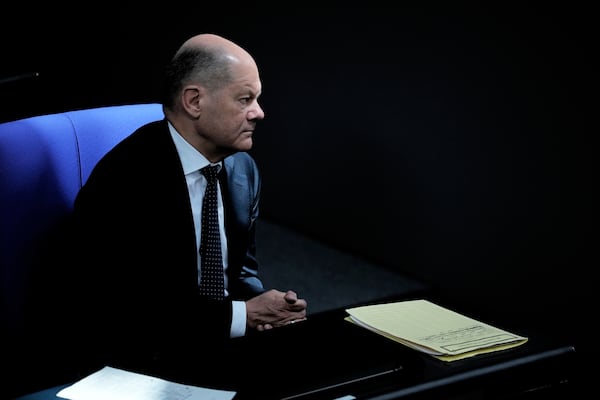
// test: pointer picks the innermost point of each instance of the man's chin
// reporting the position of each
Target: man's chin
(245, 144)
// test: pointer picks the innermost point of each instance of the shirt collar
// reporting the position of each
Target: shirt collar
(191, 159)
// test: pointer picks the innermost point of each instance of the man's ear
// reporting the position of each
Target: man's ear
(191, 99)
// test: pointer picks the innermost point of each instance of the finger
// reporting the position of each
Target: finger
(290, 297)
(299, 306)
(295, 321)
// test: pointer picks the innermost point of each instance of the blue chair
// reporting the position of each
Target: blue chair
(44, 161)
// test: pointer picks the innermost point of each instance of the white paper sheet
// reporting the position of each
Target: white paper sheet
(117, 384)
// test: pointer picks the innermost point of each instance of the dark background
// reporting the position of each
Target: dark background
(447, 141)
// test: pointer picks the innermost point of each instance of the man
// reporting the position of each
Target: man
(137, 222)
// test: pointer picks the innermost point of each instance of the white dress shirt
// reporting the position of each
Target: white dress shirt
(192, 161)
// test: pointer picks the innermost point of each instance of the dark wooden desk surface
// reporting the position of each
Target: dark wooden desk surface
(331, 358)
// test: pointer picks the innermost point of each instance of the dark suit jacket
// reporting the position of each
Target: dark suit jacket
(136, 260)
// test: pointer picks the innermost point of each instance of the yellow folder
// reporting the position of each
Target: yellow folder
(433, 329)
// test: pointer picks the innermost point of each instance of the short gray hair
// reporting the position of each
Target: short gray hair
(208, 67)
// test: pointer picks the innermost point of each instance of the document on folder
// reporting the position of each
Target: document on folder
(432, 329)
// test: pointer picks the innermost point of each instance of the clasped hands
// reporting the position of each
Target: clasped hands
(275, 308)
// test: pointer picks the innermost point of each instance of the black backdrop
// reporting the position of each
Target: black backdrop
(448, 141)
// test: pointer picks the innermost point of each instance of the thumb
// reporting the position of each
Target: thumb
(290, 297)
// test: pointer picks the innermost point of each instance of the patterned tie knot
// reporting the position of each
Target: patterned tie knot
(210, 172)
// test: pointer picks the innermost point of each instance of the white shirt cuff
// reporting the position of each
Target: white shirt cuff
(238, 319)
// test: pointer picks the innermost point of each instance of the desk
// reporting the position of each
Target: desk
(334, 358)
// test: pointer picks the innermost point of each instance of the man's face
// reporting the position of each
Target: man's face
(230, 114)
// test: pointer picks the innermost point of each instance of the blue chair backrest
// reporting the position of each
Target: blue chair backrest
(44, 161)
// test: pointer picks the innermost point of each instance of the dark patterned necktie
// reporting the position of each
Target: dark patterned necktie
(211, 269)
